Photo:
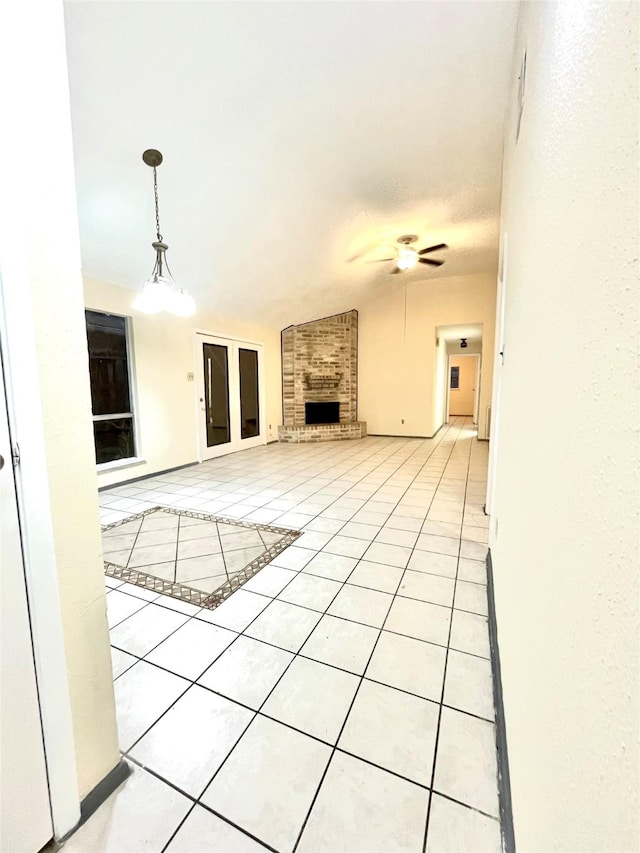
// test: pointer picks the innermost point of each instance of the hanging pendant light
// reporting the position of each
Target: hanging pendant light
(161, 292)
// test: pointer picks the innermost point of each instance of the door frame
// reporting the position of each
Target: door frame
(239, 444)
(21, 715)
(498, 364)
(21, 376)
(476, 393)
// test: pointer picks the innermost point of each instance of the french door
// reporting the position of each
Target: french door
(231, 411)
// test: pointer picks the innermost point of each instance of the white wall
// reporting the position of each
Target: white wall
(166, 400)
(564, 535)
(51, 408)
(398, 370)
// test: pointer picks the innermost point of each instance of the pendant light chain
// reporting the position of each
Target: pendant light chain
(155, 193)
(161, 292)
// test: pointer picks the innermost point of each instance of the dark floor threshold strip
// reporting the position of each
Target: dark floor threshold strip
(146, 476)
(504, 781)
(96, 797)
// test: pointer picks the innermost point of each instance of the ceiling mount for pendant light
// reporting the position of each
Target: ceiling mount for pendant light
(161, 292)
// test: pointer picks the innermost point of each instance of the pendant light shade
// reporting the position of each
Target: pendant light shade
(161, 292)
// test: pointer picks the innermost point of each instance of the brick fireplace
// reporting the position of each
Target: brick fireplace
(320, 366)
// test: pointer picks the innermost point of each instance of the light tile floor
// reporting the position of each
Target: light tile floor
(342, 699)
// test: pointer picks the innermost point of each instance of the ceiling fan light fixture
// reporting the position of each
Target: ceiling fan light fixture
(407, 258)
(161, 292)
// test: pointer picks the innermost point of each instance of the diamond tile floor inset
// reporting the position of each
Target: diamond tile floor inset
(189, 555)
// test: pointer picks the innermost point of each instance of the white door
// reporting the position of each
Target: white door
(231, 411)
(26, 815)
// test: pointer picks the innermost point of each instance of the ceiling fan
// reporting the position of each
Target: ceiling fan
(408, 257)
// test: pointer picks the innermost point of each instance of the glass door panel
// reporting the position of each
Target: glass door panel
(216, 394)
(230, 405)
(249, 398)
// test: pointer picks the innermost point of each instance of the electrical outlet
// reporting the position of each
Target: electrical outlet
(402, 421)
(190, 377)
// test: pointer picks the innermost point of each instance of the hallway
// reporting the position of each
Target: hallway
(304, 712)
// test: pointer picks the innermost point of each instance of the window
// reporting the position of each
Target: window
(111, 397)
(455, 377)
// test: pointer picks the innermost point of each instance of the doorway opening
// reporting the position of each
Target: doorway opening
(463, 386)
(458, 371)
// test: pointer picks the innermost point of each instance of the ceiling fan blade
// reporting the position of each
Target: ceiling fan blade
(395, 271)
(433, 248)
(429, 261)
(379, 260)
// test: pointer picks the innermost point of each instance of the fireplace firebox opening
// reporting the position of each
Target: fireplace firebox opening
(322, 413)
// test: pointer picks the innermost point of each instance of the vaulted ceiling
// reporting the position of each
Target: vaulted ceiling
(298, 138)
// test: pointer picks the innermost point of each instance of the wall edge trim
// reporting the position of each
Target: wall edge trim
(504, 779)
(393, 435)
(102, 791)
(146, 476)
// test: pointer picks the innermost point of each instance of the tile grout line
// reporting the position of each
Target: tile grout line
(196, 681)
(435, 447)
(225, 472)
(257, 713)
(340, 588)
(240, 522)
(175, 562)
(313, 610)
(146, 731)
(444, 679)
(312, 465)
(336, 533)
(224, 561)
(362, 678)
(356, 453)
(291, 727)
(273, 688)
(194, 804)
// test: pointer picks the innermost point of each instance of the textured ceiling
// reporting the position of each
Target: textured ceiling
(298, 137)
